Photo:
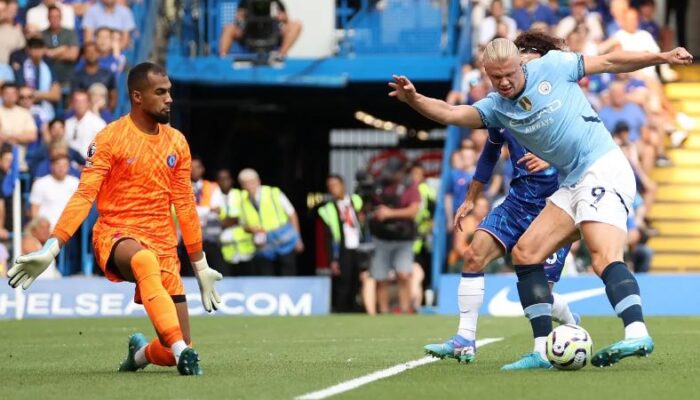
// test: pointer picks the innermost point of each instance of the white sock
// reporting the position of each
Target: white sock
(561, 311)
(636, 330)
(470, 296)
(541, 346)
(140, 357)
(177, 348)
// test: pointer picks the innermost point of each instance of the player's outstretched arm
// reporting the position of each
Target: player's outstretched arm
(437, 110)
(628, 61)
(29, 266)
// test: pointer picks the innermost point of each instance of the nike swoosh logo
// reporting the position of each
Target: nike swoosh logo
(501, 306)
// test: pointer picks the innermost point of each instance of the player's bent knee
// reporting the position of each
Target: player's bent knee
(473, 262)
(525, 255)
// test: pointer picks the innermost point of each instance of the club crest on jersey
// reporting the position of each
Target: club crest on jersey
(525, 103)
(91, 150)
(544, 88)
(171, 160)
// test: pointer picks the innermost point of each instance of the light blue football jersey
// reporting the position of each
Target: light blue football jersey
(552, 117)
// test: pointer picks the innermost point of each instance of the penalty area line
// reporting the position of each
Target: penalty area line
(381, 374)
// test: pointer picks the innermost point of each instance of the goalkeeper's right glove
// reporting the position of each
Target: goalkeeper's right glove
(29, 266)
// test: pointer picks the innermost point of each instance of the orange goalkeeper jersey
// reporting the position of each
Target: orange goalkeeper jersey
(136, 177)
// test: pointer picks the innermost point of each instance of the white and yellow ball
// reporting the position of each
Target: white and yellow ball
(569, 347)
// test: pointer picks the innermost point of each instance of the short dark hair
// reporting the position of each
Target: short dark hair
(56, 121)
(336, 176)
(5, 148)
(52, 8)
(8, 85)
(138, 76)
(540, 42)
(59, 156)
(86, 45)
(35, 43)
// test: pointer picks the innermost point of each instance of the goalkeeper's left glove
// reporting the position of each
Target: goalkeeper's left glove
(206, 278)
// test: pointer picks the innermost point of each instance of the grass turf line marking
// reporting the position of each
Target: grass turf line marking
(381, 374)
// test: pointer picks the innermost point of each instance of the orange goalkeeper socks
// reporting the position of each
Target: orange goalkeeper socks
(156, 300)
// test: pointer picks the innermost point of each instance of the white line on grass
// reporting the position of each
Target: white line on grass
(375, 376)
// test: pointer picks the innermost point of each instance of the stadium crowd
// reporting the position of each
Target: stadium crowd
(59, 64)
(60, 61)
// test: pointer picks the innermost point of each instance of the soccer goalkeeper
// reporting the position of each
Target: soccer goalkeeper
(136, 168)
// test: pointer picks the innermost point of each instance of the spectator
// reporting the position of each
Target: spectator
(84, 125)
(647, 9)
(40, 164)
(26, 100)
(11, 34)
(237, 247)
(208, 201)
(98, 102)
(36, 74)
(38, 17)
(109, 14)
(471, 78)
(463, 169)
(649, 144)
(533, 11)
(35, 234)
(269, 215)
(631, 38)
(617, 11)
(581, 16)
(57, 149)
(51, 193)
(341, 217)
(108, 44)
(462, 238)
(497, 25)
(62, 46)
(288, 30)
(5, 202)
(91, 73)
(17, 125)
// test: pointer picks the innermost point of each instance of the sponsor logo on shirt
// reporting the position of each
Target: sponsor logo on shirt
(538, 120)
(171, 160)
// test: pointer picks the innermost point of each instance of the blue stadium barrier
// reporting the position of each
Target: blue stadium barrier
(667, 295)
(97, 297)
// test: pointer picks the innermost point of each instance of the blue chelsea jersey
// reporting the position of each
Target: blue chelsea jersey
(524, 186)
(552, 117)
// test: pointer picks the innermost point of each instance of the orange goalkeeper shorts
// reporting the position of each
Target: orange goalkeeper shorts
(104, 241)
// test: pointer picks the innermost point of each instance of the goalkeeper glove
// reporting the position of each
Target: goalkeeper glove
(206, 278)
(28, 267)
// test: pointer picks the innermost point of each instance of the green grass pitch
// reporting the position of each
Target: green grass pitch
(281, 358)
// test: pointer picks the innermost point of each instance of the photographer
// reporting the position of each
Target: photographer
(261, 9)
(394, 206)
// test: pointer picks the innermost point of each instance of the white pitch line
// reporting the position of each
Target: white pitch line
(375, 376)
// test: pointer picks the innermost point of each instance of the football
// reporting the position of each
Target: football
(569, 347)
